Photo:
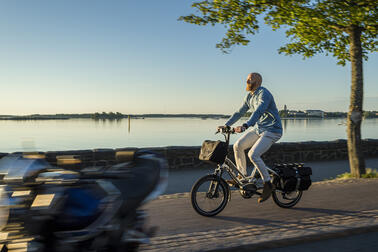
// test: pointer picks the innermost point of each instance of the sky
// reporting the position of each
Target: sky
(134, 57)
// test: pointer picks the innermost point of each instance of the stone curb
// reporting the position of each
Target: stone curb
(326, 182)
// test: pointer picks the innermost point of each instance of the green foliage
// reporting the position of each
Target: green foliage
(109, 116)
(335, 114)
(283, 113)
(321, 26)
(370, 114)
(370, 173)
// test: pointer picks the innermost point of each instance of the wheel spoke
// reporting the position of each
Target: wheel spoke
(209, 195)
(286, 199)
(209, 200)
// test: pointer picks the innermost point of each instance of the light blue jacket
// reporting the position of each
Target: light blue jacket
(264, 115)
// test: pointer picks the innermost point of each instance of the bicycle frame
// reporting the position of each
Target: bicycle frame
(231, 168)
(246, 185)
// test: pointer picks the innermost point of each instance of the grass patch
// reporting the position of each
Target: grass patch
(370, 173)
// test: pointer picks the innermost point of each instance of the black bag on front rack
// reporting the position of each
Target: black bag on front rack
(213, 151)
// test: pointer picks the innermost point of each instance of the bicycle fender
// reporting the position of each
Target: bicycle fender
(223, 181)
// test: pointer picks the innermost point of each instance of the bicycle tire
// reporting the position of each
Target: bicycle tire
(222, 188)
(289, 204)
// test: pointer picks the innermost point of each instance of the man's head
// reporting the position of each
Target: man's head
(254, 81)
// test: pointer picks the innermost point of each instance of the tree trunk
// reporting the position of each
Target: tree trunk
(355, 153)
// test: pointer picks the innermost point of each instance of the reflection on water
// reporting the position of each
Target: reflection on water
(151, 132)
(284, 125)
(128, 124)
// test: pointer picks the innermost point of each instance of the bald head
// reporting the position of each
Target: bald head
(254, 81)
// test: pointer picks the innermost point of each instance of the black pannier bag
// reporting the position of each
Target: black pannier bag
(288, 180)
(293, 176)
(213, 151)
(304, 173)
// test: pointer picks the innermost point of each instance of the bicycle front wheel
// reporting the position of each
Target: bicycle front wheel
(209, 195)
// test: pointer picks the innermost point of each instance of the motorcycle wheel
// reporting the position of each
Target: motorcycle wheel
(127, 247)
(209, 195)
(3, 248)
(286, 200)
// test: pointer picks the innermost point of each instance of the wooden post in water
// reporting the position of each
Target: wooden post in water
(128, 123)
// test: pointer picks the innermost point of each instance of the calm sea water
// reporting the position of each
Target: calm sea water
(75, 134)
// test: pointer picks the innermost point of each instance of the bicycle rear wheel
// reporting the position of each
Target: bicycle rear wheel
(286, 199)
(209, 195)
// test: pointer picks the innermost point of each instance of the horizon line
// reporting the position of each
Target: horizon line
(138, 114)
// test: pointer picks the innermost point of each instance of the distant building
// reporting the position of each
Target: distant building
(317, 113)
(296, 113)
(285, 108)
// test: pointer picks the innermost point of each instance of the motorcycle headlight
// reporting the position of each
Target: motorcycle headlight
(4, 208)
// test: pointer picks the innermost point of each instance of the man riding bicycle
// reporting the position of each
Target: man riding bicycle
(264, 128)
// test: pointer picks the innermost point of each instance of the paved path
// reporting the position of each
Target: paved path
(328, 209)
(366, 242)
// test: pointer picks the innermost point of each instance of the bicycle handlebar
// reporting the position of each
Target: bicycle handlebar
(226, 131)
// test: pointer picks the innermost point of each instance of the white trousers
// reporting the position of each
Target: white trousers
(259, 144)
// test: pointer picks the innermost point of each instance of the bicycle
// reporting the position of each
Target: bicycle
(211, 193)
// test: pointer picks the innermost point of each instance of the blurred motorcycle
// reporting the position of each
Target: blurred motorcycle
(45, 208)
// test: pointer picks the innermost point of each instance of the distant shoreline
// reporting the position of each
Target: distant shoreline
(109, 116)
(118, 116)
(156, 117)
(25, 118)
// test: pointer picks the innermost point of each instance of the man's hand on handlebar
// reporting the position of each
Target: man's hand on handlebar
(241, 129)
(225, 128)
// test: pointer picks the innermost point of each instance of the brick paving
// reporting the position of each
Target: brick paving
(329, 209)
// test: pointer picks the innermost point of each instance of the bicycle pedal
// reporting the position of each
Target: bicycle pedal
(233, 185)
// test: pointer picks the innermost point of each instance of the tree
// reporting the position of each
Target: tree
(345, 29)
(96, 116)
(283, 113)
